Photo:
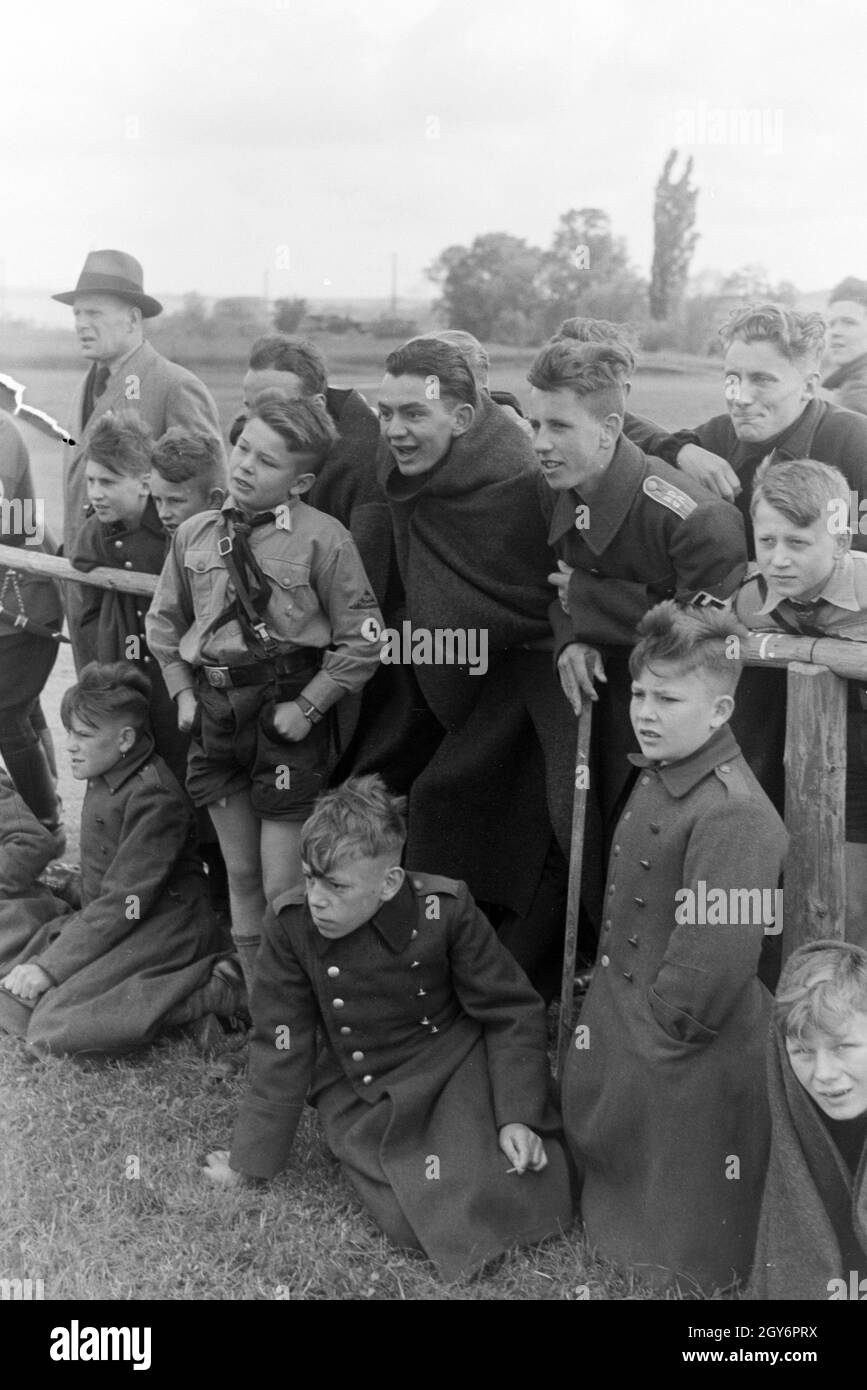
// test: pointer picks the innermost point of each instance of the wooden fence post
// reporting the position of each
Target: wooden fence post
(573, 902)
(815, 762)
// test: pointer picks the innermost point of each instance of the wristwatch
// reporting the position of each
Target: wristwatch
(310, 711)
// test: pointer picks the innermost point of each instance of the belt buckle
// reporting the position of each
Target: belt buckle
(218, 676)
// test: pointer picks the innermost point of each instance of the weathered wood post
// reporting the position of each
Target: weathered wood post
(815, 763)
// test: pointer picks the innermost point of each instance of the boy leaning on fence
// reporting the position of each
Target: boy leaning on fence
(259, 625)
(664, 1101)
(809, 582)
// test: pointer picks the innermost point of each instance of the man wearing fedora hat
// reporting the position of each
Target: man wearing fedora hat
(109, 305)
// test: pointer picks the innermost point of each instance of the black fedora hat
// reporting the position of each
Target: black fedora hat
(113, 272)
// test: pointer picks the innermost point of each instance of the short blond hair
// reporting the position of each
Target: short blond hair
(361, 819)
(822, 985)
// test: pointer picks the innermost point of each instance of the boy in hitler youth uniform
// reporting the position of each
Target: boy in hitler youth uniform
(664, 1088)
(432, 1083)
(808, 580)
(188, 476)
(259, 624)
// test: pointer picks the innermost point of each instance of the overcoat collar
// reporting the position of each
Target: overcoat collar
(609, 504)
(680, 777)
(137, 756)
(394, 920)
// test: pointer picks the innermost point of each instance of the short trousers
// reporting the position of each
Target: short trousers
(236, 747)
(26, 662)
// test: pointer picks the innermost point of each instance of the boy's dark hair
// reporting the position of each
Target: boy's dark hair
(123, 443)
(594, 372)
(186, 456)
(115, 690)
(799, 337)
(851, 289)
(304, 425)
(581, 330)
(361, 819)
(440, 362)
(466, 343)
(822, 984)
(692, 639)
(803, 490)
(280, 352)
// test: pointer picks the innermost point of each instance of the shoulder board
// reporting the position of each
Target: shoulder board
(435, 883)
(733, 780)
(669, 496)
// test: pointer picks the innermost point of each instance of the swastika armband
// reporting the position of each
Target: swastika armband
(669, 495)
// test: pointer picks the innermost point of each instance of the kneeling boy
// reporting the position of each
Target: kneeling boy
(436, 1046)
(813, 1231)
(664, 1100)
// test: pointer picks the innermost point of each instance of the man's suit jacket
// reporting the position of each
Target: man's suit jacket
(164, 394)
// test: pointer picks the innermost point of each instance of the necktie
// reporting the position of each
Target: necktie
(100, 381)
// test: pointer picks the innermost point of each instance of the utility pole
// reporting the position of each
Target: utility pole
(393, 284)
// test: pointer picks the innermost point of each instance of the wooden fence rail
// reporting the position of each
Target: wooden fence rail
(815, 757)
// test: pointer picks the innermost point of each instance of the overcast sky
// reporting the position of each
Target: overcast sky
(217, 142)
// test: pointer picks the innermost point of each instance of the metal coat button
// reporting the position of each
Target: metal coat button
(337, 1003)
(358, 1056)
(367, 1079)
(344, 1030)
(604, 960)
(332, 972)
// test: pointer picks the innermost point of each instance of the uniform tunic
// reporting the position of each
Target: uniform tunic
(666, 1089)
(144, 937)
(648, 533)
(434, 1040)
(118, 617)
(26, 848)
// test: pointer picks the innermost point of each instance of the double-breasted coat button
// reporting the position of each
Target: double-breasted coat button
(118, 545)
(626, 815)
(605, 960)
(345, 1031)
(333, 971)
(611, 890)
(645, 781)
(413, 934)
(421, 994)
(127, 564)
(367, 1079)
(424, 1021)
(645, 863)
(434, 1029)
(724, 767)
(633, 940)
(415, 965)
(627, 974)
(639, 901)
(337, 1003)
(358, 1056)
(616, 849)
(608, 924)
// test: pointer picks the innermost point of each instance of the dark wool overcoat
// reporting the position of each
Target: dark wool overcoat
(664, 1099)
(144, 937)
(473, 554)
(433, 1040)
(26, 847)
(813, 1225)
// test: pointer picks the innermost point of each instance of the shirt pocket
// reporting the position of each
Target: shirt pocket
(293, 603)
(207, 578)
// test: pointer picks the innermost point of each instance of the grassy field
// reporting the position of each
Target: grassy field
(99, 1165)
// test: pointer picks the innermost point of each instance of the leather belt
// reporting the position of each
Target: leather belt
(260, 672)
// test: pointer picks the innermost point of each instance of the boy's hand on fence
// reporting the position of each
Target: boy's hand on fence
(523, 1147)
(290, 722)
(710, 469)
(27, 981)
(560, 580)
(217, 1169)
(186, 710)
(579, 666)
